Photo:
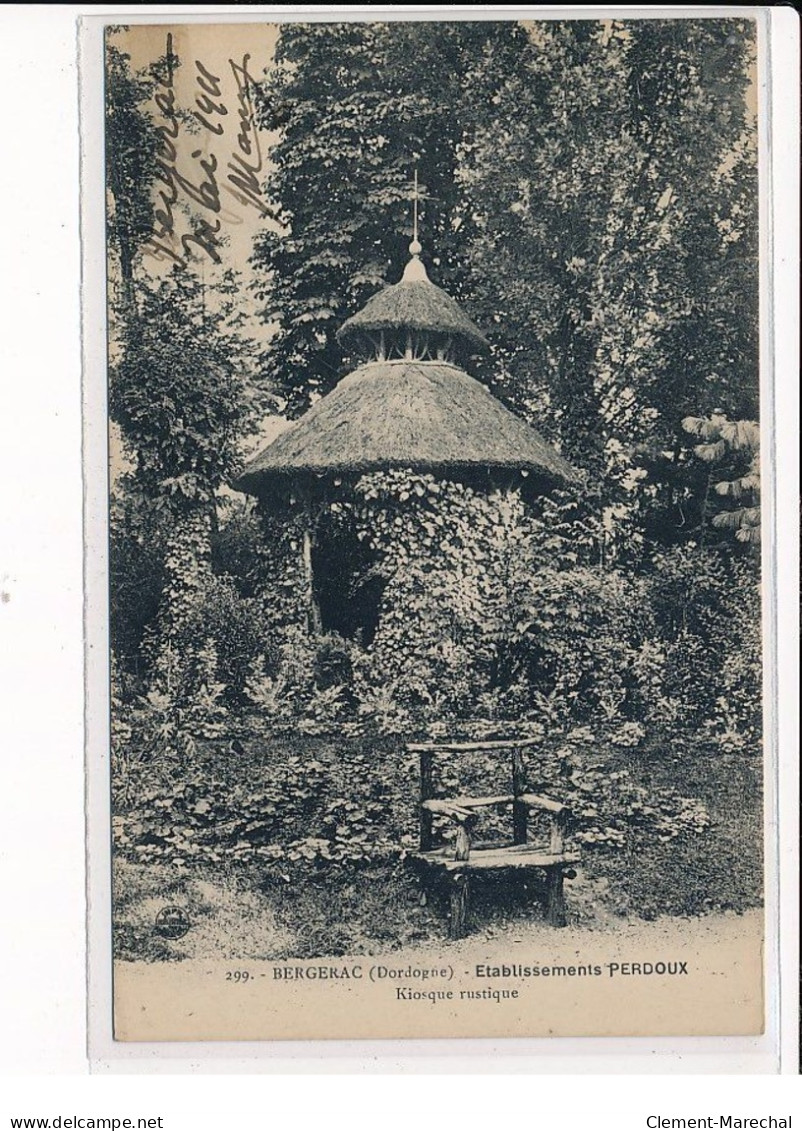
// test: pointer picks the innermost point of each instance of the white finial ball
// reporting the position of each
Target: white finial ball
(415, 248)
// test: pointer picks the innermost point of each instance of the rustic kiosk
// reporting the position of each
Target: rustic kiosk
(408, 402)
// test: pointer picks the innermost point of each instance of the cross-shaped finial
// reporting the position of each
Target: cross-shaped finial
(417, 196)
(415, 272)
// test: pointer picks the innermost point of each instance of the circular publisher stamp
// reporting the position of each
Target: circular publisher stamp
(172, 923)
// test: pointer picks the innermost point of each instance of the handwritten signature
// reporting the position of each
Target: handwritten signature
(205, 185)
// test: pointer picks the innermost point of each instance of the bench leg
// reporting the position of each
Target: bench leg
(555, 897)
(460, 896)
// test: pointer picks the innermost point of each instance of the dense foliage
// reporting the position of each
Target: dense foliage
(131, 153)
(591, 197)
(179, 391)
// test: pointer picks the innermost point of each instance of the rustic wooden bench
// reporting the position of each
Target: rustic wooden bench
(456, 862)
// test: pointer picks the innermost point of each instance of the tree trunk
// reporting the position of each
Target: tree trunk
(313, 609)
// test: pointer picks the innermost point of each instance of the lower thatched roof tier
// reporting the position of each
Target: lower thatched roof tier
(421, 414)
(415, 305)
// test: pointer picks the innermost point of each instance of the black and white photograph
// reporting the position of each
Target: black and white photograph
(436, 568)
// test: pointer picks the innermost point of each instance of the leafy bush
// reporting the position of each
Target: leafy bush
(309, 686)
(239, 630)
(138, 535)
(322, 825)
(737, 721)
(704, 665)
(308, 814)
(611, 809)
(333, 666)
(492, 609)
(692, 875)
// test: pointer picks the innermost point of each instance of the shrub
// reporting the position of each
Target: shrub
(333, 663)
(704, 666)
(310, 685)
(238, 629)
(303, 814)
(491, 609)
(138, 535)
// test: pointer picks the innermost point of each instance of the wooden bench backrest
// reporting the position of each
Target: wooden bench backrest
(520, 808)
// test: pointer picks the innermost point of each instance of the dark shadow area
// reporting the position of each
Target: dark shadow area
(348, 584)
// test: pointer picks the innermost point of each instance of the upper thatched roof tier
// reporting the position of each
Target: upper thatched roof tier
(415, 304)
(425, 415)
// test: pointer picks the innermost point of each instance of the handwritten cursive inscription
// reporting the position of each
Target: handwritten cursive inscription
(198, 188)
(209, 88)
(246, 161)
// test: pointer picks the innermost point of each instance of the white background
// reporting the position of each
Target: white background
(42, 904)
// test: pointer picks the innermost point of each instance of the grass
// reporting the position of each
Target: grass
(227, 913)
(719, 870)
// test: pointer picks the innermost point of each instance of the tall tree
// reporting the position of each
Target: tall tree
(182, 395)
(603, 208)
(183, 387)
(132, 144)
(182, 384)
(617, 227)
(180, 391)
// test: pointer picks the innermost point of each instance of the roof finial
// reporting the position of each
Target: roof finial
(415, 272)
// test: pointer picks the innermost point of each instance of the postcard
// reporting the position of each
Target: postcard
(433, 375)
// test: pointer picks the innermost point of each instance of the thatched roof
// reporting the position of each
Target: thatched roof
(422, 414)
(417, 304)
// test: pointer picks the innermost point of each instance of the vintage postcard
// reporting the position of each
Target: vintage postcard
(435, 564)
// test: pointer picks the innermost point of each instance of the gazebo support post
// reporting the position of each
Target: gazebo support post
(314, 621)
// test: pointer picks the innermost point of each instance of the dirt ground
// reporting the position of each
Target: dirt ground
(618, 938)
